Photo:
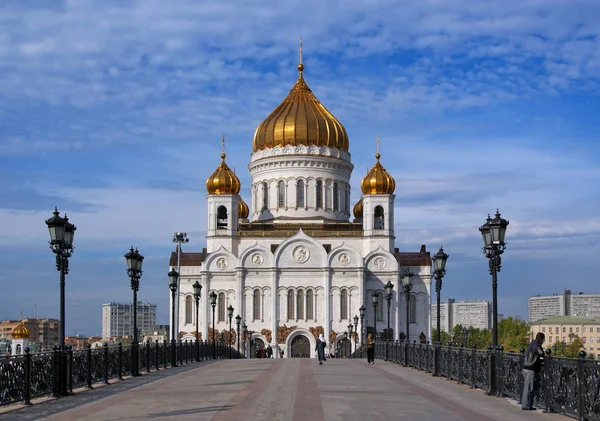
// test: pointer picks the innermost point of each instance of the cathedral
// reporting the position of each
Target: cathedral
(300, 260)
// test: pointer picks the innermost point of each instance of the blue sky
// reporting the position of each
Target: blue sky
(114, 112)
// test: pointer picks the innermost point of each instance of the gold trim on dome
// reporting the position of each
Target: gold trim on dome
(20, 331)
(358, 209)
(378, 180)
(243, 210)
(223, 180)
(300, 119)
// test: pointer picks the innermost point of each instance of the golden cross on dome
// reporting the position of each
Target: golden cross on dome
(300, 64)
(377, 142)
(223, 147)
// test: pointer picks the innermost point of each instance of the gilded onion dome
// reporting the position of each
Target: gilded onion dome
(243, 210)
(20, 332)
(223, 180)
(358, 209)
(378, 180)
(300, 119)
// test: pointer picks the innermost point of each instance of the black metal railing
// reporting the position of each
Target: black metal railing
(569, 386)
(28, 376)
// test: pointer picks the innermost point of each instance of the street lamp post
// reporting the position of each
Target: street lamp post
(173, 281)
(179, 238)
(230, 315)
(350, 326)
(361, 311)
(134, 270)
(465, 333)
(439, 268)
(493, 233)
(213, 303)
(197, 294)
(389, 293)
(375, 298)
(62, 233)
(238, 319)
(245, 332)
(355, 333)
(407, 287)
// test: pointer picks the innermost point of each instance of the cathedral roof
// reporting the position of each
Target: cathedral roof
(358, 209)
(378, 180)
(189, 259)
(20, 331)
(300, 119)
(243, 210)
(410, 258)
(223, 180)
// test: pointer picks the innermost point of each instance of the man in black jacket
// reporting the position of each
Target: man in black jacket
(531, 366)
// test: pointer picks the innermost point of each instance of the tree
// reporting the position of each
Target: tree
(444, 336)
(513, 334)
(574, 347)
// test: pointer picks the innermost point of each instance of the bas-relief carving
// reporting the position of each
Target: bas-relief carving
(267, 334)
(332, 336)
(344, 259)
(222, 263)
(379, 263)
(257, 259)
(283, 332)
(316, 331)
(210, 334)
(300, 254)
(300, 150)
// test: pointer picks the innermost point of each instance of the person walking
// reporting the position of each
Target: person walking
(320, 348)
(370, 342)
(269, 351)
(531, 366)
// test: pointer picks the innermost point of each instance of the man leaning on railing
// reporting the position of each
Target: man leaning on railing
(531, 367)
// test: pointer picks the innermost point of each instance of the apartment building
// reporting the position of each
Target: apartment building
(586, 306)
(117, 319)
(43, 332)
(564, 329)
(477, 314)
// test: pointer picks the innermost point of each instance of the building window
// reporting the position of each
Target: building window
(300, 305)
(188, 309)
(344, 304)
(319, 195)
(570, 330)
(550, 339)
(290, 304)
(544, 329)
(336, 198)
(591, 340)
(281, 194)
(221, 304)
(222, 218)
(577, 329)
(584, 340)
(309, 304)
(300, 194)
(584, 329)
(265, 188)
(378, 218)
(413, 309)
(256, 304)
(564, 329)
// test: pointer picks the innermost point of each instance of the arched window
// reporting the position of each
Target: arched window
(281, 194)
(380, 308)
(309, 304)
(319, 195)
(265, 189)
(347, 199)
(378, 218)
(188, 309)
(336, 197)
(18, 349)
(412, 307)
(221, 304)
(221, 218)
(300, 305)
(290, 305)
(344, 304)
(256, 304)
(300, 194)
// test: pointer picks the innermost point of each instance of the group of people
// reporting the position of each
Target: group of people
(370, 344)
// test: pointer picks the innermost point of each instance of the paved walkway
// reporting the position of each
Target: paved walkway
(281, 389)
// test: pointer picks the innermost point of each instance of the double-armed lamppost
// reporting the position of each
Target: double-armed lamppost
(407, 287)
(389, 294)
(361, 311)
(493, 233)
(245, 332)
(179, 238)
(213, 304)
(62, 233)
(230, 315)
(355, 332)
(197, 294)
(350, 326)
(375, 298)
(439, 270)
(238, 320)
(173, 281)
(134, 270)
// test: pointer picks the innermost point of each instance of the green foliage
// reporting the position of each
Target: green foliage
(444, 337)
(513, 334)
(572, 349)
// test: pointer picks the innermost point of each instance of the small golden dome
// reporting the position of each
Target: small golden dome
(300, 120)
(20, 332)
(243, 210)
(223, 180)
(358, 209)
(378, 180)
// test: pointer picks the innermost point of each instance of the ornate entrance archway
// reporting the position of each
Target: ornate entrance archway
(343, 348)
(300, 347)
(255, 345)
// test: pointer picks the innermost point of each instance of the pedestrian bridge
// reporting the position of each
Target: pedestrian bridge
(277, 389)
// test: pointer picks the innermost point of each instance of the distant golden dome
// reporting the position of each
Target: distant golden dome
(358, 209)
(20, 332)
(243, 210)
(378, 181)
(300, 120)
(223, 180)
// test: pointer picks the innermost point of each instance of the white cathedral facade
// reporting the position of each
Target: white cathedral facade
(301, 261)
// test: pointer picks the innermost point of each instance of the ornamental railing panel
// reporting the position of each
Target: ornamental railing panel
(12, 379)
(41, 374)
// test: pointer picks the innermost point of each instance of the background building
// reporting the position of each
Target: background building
(586, 306)
(43, 333)
(117, 319)
(564, 329)
(477, 314)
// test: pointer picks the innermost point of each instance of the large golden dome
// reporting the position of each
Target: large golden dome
(223, 180)
(20, 332)
(378, 180)
(300, 120)
(243, 210)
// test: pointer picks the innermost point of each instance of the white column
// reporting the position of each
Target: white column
(274, 318)
(327, 298)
